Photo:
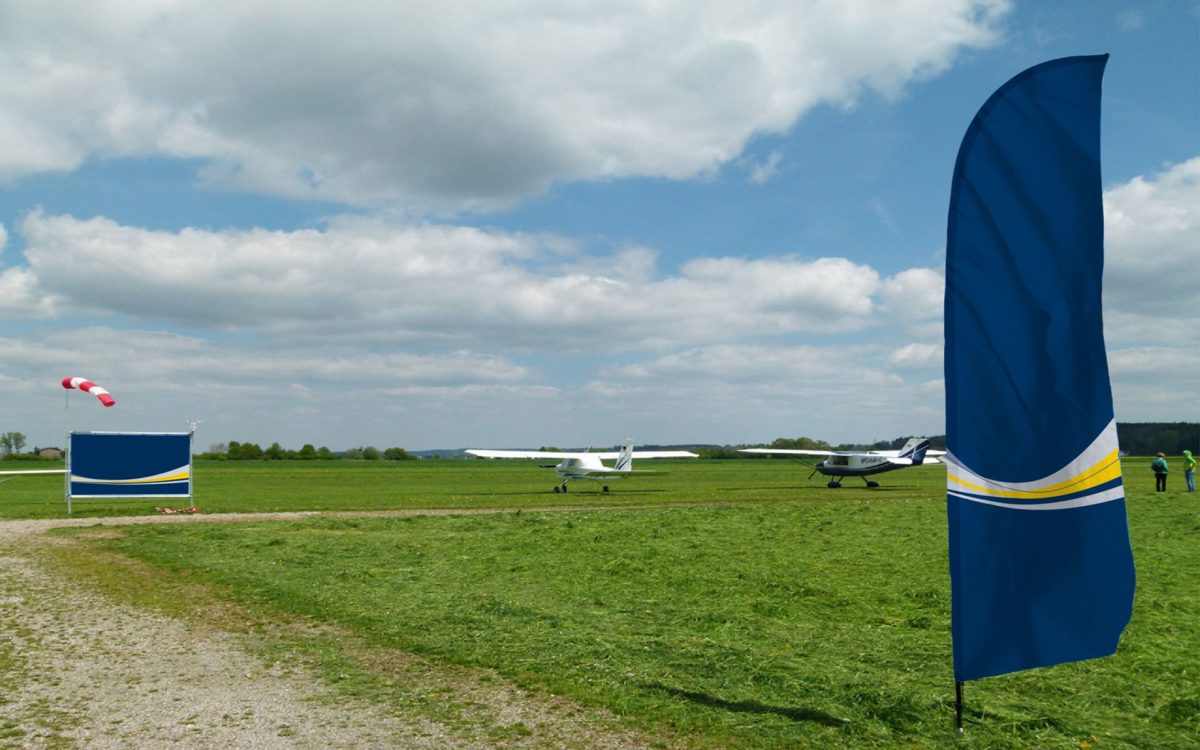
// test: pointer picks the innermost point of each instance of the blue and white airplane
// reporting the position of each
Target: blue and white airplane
(587, 465)
(838, 464)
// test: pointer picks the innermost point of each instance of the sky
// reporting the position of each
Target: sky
(527, 223)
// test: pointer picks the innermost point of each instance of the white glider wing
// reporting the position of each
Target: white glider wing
(607, 455)
(796, 452)
(892, 457)
(527, 454)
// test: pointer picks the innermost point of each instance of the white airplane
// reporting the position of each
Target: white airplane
(838, 464)
(587, 465)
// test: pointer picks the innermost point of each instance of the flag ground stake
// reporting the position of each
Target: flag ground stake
(958, 706)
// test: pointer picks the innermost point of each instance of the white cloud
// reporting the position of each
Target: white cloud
(285, 328)
(763, 171)
(1156, 383)
(259, 390)
(748, 393)
(914, 295)
(1152, 263)
(880, 209)
(917, 357)
(21, 298)
(437, 286)
(1131, 20)
(428, 107)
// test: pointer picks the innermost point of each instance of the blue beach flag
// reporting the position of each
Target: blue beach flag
(1040, 564)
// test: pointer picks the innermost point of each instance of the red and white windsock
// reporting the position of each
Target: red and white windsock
(88, 386)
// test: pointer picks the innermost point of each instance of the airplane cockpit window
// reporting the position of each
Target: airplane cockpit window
(839, 460)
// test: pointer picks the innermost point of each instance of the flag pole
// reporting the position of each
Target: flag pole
(958, 706)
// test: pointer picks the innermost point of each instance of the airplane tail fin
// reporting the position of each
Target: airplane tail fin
(915, 449)
(625, 460)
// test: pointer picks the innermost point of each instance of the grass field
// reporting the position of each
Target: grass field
(268, 486)
(729, 604)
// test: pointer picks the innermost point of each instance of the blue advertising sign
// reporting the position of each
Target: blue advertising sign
(129, 464)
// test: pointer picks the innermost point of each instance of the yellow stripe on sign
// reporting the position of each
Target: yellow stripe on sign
(178, 475)
(1105, 470)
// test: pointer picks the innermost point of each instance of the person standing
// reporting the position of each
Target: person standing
(1189, 470)
(1159, 464)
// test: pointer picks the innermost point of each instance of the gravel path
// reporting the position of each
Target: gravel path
(79, 670)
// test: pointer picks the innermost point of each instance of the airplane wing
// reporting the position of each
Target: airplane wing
(889, 455)
(611, 472)
(531, 454)
(929, 460)
(797, 452)
(928, 453)
(613, 455)
(607, 455)
(33, 471)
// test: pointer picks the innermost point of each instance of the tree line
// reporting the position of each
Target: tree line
(1135, 438)
(936, 442)
(237, 451)
(1148, 438)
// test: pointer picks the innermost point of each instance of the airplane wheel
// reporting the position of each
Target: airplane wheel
(834, 485)
(556, 490)
(564, 487)
(872, 485)
(605, 488)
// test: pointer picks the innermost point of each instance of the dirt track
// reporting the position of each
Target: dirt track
(81, 670)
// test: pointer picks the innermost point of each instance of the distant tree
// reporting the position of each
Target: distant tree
(215, 452)
(275, 452)
(800, 443)
(325, 454)
(354, 454)
(307, 452)
(723, 451)
(549, 448)
(370, 453)
(12, 442)
(244, 451)
(1148, 438)
(397, 454)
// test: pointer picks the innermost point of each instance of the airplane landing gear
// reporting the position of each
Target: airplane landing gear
(560, 488)
(833, 484)
(605, 488)
(871, 485)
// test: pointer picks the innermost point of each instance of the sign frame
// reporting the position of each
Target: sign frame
(107, 465)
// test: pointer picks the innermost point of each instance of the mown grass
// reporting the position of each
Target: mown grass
(769, 614)
(269, 486)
